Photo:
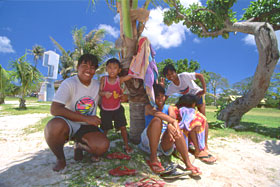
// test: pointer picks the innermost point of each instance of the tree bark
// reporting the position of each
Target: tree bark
(22, 103)
(268, 57)
(137, 94)
(2, 98)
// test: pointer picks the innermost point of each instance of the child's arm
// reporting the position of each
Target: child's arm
(149, 110)
(162, 82)
(58, 109)
(201, 78)
(125, 78)
(101, 92)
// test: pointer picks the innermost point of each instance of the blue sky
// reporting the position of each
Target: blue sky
(24, 23)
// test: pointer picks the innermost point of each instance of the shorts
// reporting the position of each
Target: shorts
(145, 146)
(77, 130)
(201, 100)
(107, 118)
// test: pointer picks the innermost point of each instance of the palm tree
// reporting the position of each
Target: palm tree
(38, 52)
(5, 77)
(132, 22)
(27, 75)
(91, 43)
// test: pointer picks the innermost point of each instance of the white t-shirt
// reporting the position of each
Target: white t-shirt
(78, 97)
(186, 85)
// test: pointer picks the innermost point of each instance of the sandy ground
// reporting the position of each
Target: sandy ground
(25, 160)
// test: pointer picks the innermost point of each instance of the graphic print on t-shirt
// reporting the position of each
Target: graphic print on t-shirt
(85, 105)
(185, 91)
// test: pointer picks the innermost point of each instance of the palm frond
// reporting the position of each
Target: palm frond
(59, 47)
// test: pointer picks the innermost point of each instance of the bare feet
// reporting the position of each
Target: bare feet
(60, 165)
(128, 149)
(95, 158)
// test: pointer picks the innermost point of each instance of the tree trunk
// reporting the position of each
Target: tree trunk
(268, 57)
(137, 95)
(2, 98)
(22, 103)
(215, 98)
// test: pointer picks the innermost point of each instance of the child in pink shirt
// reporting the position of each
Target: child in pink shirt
(111, 108)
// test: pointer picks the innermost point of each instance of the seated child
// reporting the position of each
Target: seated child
(193, 123)
(183, 83)
(111, 108)
(159, 137)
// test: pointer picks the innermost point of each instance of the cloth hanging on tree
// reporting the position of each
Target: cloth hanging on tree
(143, 66)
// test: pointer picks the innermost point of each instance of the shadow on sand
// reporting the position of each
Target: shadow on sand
(272, 147)
(35, 170)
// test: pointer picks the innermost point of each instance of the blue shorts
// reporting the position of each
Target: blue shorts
(145, 146)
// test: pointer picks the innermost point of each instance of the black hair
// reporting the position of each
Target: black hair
(113, 61)
(187, 100)
(88, 58)
(158, 89)
(169, 67)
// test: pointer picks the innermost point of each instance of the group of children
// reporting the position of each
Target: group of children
(75, 103)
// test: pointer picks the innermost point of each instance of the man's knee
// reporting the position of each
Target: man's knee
(103, 147)
(99, 145)
(56, 127)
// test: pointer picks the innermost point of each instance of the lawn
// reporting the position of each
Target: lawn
(258, 124)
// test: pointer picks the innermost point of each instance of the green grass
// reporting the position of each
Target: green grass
(32, 104)
(9, 109)
(30, 99)
(39, 126)
(258, 124)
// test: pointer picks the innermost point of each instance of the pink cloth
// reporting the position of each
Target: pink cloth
(143, 66)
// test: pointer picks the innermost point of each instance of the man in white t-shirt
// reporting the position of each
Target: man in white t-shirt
(183, 83)
(74, 107)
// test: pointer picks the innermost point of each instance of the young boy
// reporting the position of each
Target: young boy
(74, 107)
(111, 108)
(158, 138)
(183, 83)
(193, 124)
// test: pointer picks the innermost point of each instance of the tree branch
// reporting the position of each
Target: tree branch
(179, 15)
(264, 15)
(205, 31)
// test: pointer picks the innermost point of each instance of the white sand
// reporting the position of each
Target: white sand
(25, 160)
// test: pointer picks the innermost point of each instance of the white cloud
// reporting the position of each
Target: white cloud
(111, 30)
(196, 40)
(117, 18)
(5, 45)
(187, 3)
(249, 39)
(161, 35)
